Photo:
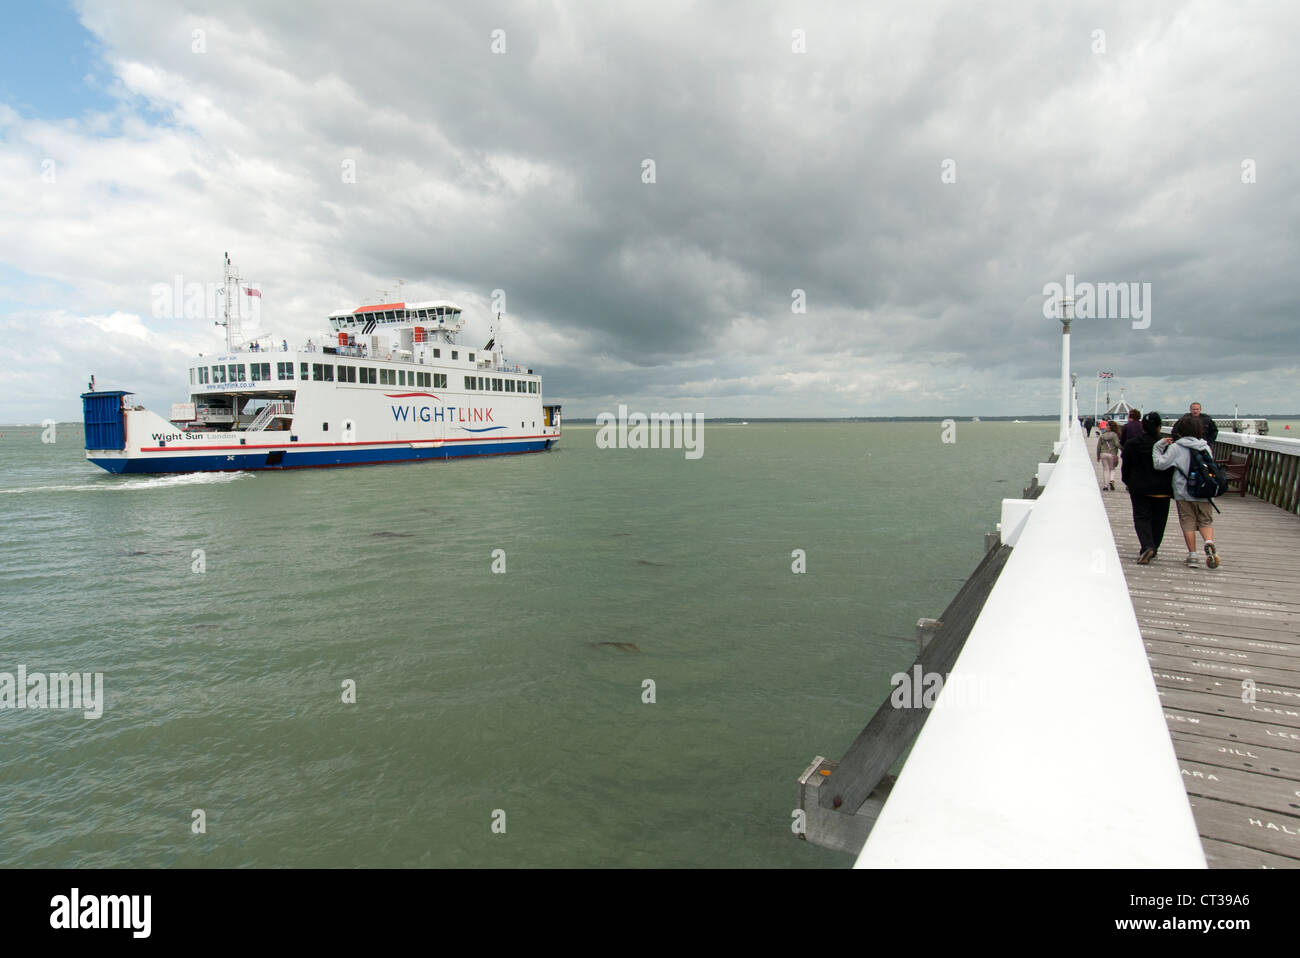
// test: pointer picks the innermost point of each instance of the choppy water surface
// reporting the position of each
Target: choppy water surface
(475, 691)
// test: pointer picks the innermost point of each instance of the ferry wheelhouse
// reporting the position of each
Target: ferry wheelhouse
(390, 384)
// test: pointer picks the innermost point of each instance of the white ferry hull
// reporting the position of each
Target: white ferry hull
(319, 423)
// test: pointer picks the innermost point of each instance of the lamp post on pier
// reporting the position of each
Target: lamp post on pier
(1067, 316)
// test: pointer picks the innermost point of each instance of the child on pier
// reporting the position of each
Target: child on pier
(1193, 514)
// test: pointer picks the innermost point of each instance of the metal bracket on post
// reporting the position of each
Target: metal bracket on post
(925, 630)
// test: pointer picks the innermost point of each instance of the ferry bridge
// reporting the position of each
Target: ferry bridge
(1110, 715)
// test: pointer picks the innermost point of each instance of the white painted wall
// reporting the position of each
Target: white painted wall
(1058, 755)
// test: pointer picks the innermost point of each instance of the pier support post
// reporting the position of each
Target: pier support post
(925, 630)
(828, 827)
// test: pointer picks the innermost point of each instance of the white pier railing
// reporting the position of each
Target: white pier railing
(1052, 748)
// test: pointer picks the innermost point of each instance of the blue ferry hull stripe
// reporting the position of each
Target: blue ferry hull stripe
(299, 459)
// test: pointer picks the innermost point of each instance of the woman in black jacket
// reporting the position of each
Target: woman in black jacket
(1149, 489)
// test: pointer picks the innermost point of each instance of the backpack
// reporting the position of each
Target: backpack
(1205, 477)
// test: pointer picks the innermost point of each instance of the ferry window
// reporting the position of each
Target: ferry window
(369, 372)
(218, 374)
(284, 370)
(256, 372)
(347, 374)
(471, 357)
(401, 377)
(437, 353)
(192, 376)
(203, 375)
(496, 386)
(480, 383)
(510, 385)
(302, 371)
(236, 373)
(454, 354)
(322, 372)
(266, 371)
(443, 383)
(469, 382)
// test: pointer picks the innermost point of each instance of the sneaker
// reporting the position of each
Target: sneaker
(1192, 560)
(1146, 556)
(1211, 556)
(1112, 487)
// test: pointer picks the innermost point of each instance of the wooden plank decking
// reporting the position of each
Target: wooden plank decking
(1207, 631)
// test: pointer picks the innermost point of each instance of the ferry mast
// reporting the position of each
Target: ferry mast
(231, 317)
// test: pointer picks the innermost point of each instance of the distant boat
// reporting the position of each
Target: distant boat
(1022, 421)
(974, 418)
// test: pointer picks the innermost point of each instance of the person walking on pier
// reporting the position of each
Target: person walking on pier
(1209, 431)
(1088, 425)
(1149, 489)
(1108, 454)
(1131, 429)
(1175, 452)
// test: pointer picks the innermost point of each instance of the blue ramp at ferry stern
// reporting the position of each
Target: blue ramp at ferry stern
(102, 415)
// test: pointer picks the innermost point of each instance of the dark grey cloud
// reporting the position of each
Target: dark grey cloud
(775, 171)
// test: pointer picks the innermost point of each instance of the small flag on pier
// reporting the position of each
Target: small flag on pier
(1105, 375)
(249, 291)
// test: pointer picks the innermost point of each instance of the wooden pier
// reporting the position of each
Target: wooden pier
(1224, 648)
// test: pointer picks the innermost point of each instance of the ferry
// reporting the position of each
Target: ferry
(390, 384)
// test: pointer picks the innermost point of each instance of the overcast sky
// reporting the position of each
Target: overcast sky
(920, 170)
